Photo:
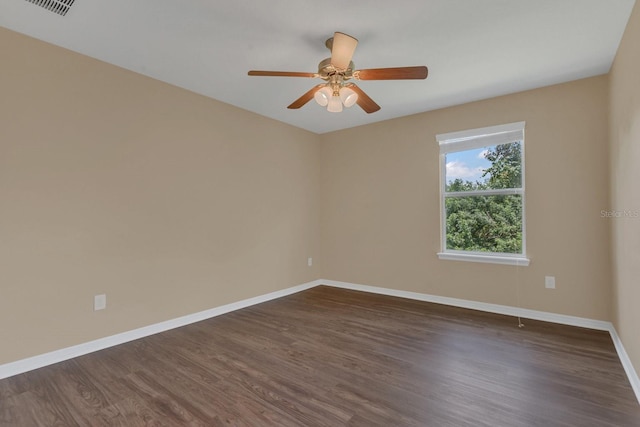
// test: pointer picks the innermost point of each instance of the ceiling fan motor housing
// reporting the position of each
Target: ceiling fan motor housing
(326, 70)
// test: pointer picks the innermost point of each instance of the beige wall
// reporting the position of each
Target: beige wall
(381, 216)
(625, 178)
(167, 201)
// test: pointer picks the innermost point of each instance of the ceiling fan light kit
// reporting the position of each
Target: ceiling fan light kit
(337, 70)
(334, 96)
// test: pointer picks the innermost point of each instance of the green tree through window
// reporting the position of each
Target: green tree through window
(485, 215)
(482, 195)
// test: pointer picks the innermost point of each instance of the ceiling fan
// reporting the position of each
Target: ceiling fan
(337, 70)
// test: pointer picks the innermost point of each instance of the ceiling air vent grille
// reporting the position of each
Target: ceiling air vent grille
(61, 7)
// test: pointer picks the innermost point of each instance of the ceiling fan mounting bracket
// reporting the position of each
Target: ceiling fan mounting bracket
(329, 43)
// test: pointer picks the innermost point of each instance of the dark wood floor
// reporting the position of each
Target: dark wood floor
(332, 357)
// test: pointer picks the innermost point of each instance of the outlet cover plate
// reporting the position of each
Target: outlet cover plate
(550, 282)
(99, 302)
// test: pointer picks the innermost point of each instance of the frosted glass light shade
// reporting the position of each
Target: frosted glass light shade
(348, 96)
(335, 105)
(322, 96)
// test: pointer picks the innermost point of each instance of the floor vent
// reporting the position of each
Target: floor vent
(61, 7)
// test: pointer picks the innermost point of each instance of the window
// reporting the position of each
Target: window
(482, 195)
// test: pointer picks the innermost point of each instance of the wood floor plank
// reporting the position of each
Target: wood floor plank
(333, 357)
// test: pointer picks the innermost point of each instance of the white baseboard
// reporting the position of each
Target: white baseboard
(35, 362)
(481, 306)
(510, 311)
(626, 362)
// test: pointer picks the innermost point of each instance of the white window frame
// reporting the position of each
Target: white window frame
(468, 140)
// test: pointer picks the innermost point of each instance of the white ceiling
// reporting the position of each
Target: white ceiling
(474, 49)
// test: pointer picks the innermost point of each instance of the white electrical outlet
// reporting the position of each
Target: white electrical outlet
(549, 282)
(99, 302)
(309, 262)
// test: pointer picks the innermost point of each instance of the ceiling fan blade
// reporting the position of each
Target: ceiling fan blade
(399, 73)
(281, 74)
(308, 96)
(342, 50)
(366, 103)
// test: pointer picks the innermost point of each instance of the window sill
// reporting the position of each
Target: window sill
(491, 259)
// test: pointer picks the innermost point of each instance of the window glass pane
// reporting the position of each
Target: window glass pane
(484, 223)
(494, 167)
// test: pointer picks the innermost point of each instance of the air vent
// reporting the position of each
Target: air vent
(61, 7)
